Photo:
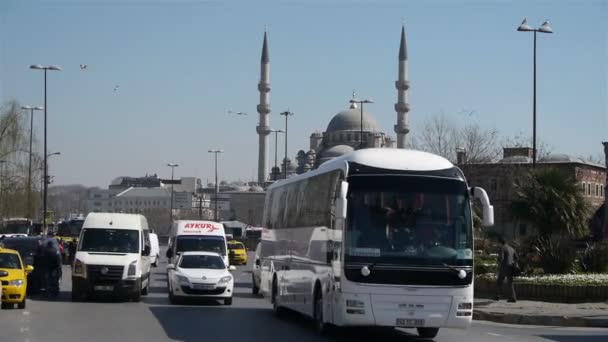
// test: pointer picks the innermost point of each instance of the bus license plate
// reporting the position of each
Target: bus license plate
(408, 323)
(103, 288)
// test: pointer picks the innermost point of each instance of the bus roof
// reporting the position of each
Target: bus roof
(196, 227)
(384, 158)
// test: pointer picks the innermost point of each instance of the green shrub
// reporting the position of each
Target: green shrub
(595, 258)
(556, 256)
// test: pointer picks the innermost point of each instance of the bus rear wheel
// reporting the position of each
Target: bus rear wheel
(428, 332)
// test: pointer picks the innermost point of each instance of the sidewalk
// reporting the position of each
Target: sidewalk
(542, 313)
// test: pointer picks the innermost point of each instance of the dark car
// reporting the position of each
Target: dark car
(27, 248)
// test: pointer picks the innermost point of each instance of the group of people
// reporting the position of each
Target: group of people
(50, 255)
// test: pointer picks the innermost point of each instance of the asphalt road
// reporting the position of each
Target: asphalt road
(248, 319)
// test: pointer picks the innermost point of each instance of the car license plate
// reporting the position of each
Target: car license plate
(404, 322)
(103, 288)
(203, 287)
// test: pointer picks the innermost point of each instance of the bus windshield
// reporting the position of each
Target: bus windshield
(408, 221)
(70, 228)
(13, 226)
(201, 243)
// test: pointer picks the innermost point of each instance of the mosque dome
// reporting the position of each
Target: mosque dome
(350, 120)
(336, 151)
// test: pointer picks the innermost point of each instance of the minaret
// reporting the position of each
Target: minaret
(263, 129)
(402, 107)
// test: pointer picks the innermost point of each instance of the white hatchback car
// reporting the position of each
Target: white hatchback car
(200, 275)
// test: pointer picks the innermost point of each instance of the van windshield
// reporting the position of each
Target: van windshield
(110, 240)
(201, 243)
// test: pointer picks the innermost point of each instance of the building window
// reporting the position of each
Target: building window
(97, 204)
(523, 229)
(588, 189)
(584, 188)
(97, 196)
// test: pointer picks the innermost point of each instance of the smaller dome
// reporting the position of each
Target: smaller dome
(560, 158)
(516, 160)
(336, 151)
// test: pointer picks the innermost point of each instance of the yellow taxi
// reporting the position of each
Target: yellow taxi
(237, 253)
(13, 275)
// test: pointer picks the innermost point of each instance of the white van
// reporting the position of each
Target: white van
(155, 249)
(113, 256)
(196, 236)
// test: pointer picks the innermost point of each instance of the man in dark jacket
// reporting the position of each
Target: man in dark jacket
(507, 261)
(52, 259)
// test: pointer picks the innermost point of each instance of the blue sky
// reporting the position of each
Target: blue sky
(181, 64)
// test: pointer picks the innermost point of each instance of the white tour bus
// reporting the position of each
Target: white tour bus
(378, 237)
(196, 236)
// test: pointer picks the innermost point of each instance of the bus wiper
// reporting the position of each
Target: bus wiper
(461, 273)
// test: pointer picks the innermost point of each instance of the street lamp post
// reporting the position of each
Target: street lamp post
(287, 114)
(29, 172)
(361, 102)
(172, 166)
(544, 28)
(217, 187)
(45, 191)
(276, 139)
(46, 183)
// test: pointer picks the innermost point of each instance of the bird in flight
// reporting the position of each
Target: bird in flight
(83, 66)
(235, 113)
(116, 88)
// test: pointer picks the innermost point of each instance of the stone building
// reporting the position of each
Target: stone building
(498, 180)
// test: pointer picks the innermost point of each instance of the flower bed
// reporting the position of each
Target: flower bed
(560, 288)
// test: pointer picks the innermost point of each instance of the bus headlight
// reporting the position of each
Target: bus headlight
(465, 306)
(354, 303)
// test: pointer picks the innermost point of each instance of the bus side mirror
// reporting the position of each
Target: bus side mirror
(341, 200)
(488, 209)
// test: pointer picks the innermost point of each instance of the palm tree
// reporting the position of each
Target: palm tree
(553, 202)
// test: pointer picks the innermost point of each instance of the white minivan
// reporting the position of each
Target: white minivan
(113, 257)
(196, 236)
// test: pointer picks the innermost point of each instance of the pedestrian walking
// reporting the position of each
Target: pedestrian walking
(52, 259)
(508, 261)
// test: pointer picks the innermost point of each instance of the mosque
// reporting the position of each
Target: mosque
(347, 131)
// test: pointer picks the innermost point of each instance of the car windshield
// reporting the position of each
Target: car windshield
(412, 220)
(202, 261)
(201, 243)
(10, 260)
(233, 246)
(110, 240)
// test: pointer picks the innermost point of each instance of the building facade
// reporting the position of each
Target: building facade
(498, 180)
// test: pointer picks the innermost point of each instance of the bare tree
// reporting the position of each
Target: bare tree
(443, 137)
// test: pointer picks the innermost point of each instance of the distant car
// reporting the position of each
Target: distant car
(237, 253)
(255, 271)
(14, 279)
(154, 250)
(200, 275)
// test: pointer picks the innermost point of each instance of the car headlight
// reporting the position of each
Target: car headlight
(225, 280)
(17, 282)
(78, 267)
(132, 269)
(182, 280)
